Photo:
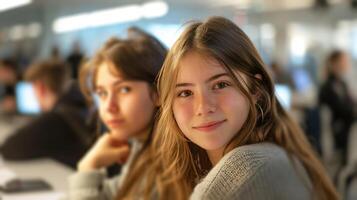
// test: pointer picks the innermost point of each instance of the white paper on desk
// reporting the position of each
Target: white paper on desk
(34, 196)
(6, 175)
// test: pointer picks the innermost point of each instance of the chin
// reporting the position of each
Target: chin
(210, 146)
(119, 136)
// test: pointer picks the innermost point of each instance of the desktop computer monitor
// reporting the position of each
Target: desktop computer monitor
(302, 79)
(26, 100)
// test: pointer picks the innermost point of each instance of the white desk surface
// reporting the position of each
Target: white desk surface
(56, 174)
(53, 172)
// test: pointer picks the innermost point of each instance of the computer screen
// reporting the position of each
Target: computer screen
(302, 79)
(26, 100)
(283, 93)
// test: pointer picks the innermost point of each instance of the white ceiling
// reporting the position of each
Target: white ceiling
(260, 5)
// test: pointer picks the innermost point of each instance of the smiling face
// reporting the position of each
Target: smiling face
(208, 108)
(126, 107)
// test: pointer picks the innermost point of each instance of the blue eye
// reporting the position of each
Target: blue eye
(220, 85)
(124, 89)
(184, 93)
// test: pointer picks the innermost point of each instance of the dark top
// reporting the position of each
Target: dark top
(61, 134)
(334, 94)
(74, 60)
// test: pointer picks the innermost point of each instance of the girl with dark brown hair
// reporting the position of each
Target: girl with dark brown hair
(123, 80)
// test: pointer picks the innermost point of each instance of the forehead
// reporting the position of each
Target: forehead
(107, 72)
(198, 66)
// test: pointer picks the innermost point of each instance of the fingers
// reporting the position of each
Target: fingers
(108, 140)
(105, 152)
(117, 153)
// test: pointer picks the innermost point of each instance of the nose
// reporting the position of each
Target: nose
(112, 103)
(205, 103)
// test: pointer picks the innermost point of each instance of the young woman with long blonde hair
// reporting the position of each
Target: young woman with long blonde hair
(221, 132)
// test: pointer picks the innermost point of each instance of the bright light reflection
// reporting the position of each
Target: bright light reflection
(110, 16)
(11, 4)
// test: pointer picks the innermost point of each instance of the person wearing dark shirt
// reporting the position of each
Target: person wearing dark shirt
(74, 60)
(335, 95)
(61, 131)
(8, 78)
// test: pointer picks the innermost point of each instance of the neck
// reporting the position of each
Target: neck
(215, 155)
(142, 136)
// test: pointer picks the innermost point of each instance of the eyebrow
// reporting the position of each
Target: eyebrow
(214, 77)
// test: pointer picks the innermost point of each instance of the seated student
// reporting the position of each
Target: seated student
(8, 79)
(123, 79)
(221, 132)
(335, 95)
(60, 132)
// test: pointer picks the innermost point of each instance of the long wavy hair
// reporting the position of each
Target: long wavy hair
(172, 165)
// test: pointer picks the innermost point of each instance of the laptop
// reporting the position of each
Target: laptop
(26, 100)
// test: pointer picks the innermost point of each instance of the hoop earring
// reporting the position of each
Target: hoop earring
(261, 111)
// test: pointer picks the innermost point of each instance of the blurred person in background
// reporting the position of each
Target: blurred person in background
(60, 132)
(55, 54)
(8, 80)
(335, 95)
(123, 79)
(283, 76)
(74, 59)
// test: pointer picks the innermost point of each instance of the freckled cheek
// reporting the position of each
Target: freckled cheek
(233, 102)
(183, 112)
(226, 101)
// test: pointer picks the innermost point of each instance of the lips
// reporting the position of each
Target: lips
(114, 122)
(209, 126)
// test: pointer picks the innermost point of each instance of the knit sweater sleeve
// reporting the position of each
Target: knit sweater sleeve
(260, 171)
(94, 185)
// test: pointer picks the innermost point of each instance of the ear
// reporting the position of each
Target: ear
(256, 95)
(258, 76)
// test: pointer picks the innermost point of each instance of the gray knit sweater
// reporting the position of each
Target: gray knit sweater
(250, 172)
(95, 186)
(257, 171)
